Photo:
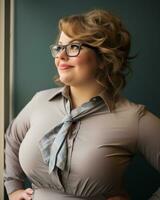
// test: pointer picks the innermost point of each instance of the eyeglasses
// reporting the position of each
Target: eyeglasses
(71, 49)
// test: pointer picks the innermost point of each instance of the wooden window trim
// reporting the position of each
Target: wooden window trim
(6, 75)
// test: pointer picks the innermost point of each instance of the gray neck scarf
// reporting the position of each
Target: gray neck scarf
(53, 145)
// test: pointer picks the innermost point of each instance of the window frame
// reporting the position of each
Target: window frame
(6, 76)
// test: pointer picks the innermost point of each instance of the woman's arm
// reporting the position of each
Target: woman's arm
(156, 195)
(148, 142)
(14, 175)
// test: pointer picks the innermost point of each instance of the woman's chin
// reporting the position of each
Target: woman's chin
(65, 80)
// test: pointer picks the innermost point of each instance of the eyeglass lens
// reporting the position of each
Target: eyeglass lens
(70, 49)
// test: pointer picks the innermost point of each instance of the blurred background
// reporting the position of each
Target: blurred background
(35, 28)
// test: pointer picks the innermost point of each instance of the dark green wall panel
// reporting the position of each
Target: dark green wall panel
(36, 28)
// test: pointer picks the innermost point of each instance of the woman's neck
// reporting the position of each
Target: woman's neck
(82, 94)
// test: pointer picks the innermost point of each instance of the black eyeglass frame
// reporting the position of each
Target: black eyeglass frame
(64, 47)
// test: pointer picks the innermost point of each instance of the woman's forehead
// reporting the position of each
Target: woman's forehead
(64, 39)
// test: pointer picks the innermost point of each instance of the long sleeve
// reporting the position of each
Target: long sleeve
(14, 176)
(156, 195)
(149, 141)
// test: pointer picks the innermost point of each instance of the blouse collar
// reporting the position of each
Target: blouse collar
(64, 91)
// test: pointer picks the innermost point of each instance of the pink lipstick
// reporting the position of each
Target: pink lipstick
(64, 66)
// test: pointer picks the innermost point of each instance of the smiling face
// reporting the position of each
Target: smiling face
(79, 70)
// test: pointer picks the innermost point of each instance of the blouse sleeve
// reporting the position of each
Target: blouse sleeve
(13, 173)
(149, 141)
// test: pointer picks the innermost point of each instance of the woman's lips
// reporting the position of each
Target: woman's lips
(64, 66)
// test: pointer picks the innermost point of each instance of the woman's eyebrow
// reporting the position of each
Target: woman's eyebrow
(61, 43)
(70, 42)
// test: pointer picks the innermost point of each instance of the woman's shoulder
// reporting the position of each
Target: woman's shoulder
(130, 107)
(48, 93)
(124, 103)
(131, 110)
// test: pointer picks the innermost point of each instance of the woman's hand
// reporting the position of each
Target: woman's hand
(21, 194)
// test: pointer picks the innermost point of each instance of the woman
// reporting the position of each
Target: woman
(76, 141)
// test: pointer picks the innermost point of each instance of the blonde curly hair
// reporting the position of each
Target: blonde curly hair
(104, 31)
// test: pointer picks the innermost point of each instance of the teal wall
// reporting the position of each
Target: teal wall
(36, 28)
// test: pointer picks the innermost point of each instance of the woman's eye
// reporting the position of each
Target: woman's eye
(74, 47)
(57, 48)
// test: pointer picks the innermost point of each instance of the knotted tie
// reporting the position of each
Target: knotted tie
(53, 145)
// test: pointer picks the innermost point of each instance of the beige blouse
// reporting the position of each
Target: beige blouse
(100, 147)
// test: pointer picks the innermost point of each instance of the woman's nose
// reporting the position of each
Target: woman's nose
(62, 55)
